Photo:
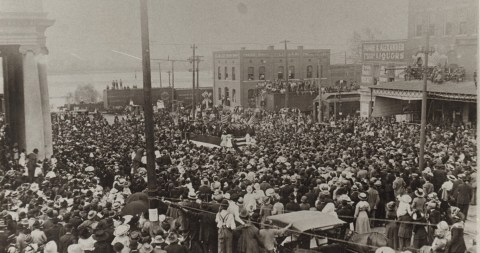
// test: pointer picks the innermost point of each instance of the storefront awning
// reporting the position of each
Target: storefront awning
(401, 98)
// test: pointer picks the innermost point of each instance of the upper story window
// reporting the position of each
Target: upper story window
(261, 73)
(219, 73)
(226, 73)
(431, 29)
(233, 95)
(462, 27)
(418, 30)
(449, 28)
(309, 71)
(219, 93)
(226, 92)
(250, 72)
(280, 70)
(233, 73)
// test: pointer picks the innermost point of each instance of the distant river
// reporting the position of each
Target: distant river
(59, 85)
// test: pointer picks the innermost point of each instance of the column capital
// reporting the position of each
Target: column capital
(24, 49)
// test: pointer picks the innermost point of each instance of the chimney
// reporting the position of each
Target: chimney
(270, 47)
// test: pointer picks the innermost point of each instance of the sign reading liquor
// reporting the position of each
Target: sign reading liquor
(383, 51)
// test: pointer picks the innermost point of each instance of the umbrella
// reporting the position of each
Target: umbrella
(134, 208)
(138, 196)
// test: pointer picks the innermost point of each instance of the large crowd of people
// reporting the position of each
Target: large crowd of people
(365, 172)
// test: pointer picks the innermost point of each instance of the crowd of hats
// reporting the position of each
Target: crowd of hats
(92, 164)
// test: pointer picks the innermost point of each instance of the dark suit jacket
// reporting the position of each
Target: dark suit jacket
(65, 241)
(463, 194)
(175, 248)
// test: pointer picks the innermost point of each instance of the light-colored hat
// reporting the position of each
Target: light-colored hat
(172, 238)
(146, 248)
(50, 247)
(406, 198)
(121, 230)
(451, 177)
(362, 196)
(384, 250)
(74, 248)
(419, 193)
(91, 214)
(89, 169)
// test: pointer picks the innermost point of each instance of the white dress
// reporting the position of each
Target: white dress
(223, 143)
(229, 141)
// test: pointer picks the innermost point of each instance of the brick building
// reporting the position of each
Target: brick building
(237, 72)
(453, 28)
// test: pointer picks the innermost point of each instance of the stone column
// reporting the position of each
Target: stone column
(34, 124)
(47, 119)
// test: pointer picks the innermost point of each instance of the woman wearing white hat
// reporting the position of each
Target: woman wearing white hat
(362, 224)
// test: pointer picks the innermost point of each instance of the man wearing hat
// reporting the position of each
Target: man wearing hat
(173, 245)
(225, 224)
(439, 176)
(463, 195)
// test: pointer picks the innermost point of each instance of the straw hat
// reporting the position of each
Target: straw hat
(362, 196)
(385, 250)
(121, 230)
(172, 238)
(419, 193)
(91, 214)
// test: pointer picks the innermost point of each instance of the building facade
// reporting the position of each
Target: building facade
(237, 72)
(453, 30)
(351, 73)
(383, 61)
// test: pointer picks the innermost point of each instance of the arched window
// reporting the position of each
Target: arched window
(261, 73)
(250, 72)
(280, 72)
(219, 73)
(309, 71)
(291, 72)
(233, 73)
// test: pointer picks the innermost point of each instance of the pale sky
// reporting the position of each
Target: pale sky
(86, 31)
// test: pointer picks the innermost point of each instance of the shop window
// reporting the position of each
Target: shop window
(250, 72)
(261, 73)
(233, 73)
(291, 72)
(280, 72)
(226, 73)
(309, 71)
(219, 73)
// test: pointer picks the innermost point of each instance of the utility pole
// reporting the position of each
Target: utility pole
(287, 92)
(169, 82)
(172, 72)
(198, 82)
(193, 81)
(320, 109)
(423, 123)
(148, 109)
(160, 73)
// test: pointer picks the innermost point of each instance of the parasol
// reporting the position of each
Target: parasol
(134, 208)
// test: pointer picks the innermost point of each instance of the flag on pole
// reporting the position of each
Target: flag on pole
(225, 119)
